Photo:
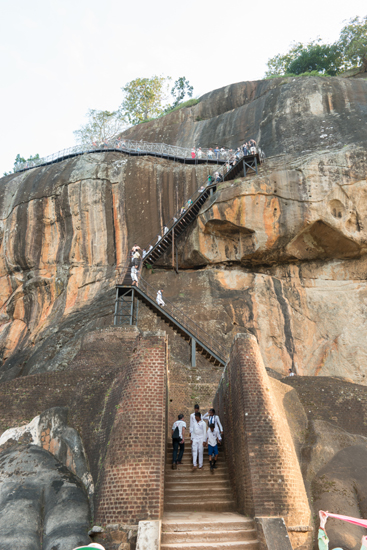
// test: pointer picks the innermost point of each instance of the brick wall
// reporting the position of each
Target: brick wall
(115, 391)
(263, 465)
(132, 485)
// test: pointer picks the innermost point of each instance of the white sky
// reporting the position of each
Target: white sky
(60, 57)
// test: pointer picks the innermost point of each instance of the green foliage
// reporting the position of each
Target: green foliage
(101, 126)
(144, 98)
(188, 103)
(353, 43)
(321, 58)
(277, 65)
(181, 89)
(21, 160)
(350, 50)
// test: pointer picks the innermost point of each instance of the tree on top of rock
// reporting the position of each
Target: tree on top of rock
(349, 51)
(180, 89)
(101, 126)
(144, 98)
(353, 43)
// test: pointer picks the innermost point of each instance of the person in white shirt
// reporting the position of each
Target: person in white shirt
(192, 418)
(178, 433)
(291, 373)
(213, 438)
(213, 418)
(159, 299)
(198, 436)
(134, 276)
(165, 230)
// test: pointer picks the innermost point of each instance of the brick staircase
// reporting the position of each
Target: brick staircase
(200, 508)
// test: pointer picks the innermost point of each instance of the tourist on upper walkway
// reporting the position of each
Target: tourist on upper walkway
(200, 153)
(245, 149)
(134, 275)
(159, 299)
(198, 436)
(216, 152)
(252, 144)
(210, 153)
(178, 439)
(193, 153)
(213, 439)
(223, 152)
(192, 417)
(213, 418)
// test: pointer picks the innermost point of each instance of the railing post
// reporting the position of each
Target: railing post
(244, 169)
(116, 306)
(132, 307)
(173, 248)
(193, 352)
(256, 164)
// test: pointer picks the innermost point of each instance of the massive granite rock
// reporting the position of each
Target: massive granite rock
(281, 254)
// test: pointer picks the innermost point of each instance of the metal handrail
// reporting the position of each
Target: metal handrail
(130, 146)
(177, 314)
(218, 177)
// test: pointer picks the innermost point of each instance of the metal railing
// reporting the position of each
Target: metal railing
(137, 148)
(181, 319)
(218, 177)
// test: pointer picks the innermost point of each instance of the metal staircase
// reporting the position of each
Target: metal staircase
(127, 301)
(128, 295)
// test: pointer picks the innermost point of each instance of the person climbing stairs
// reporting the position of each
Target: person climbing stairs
(199, 508)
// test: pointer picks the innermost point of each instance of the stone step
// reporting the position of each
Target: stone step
(220, 545)
(202, 483)
(226, 535)
(190, 496)
(197, 475)
(218, 506)
(180, 491)
(193, 521)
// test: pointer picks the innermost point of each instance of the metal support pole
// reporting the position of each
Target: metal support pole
(176, 261)
(116, 306)
(136, 311)
(211, 191)
(173, 248)
(132, 307)
(244, 169)
(256, 164)
(193, 352)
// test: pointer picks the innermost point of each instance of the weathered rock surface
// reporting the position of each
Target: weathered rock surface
(43, 505)
(287, 115)
(284, 252)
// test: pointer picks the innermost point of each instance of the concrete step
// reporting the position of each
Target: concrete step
(190, 496)
(220, 545)
(180, 491)
(209, 536)
(200, 506)
(187, 467)
(196, 476)
(193, 521)
(202, 483)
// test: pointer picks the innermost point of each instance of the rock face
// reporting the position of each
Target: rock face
(282, 254)
(40, 500)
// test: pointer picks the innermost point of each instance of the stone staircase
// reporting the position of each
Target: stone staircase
(200, 508)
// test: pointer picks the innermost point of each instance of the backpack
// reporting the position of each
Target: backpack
(176, 434)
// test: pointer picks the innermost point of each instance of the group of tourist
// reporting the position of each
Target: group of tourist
(201, 435)
(231, 155)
